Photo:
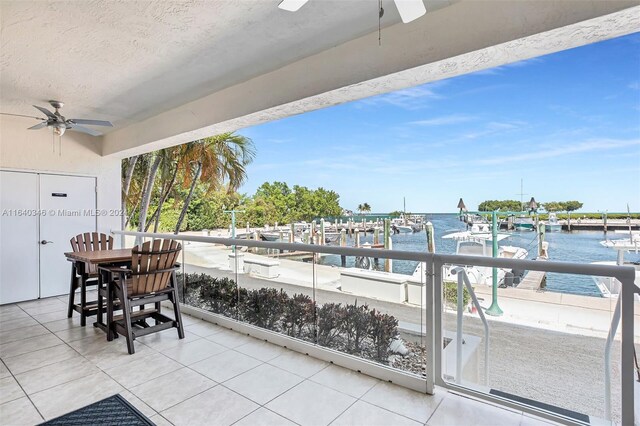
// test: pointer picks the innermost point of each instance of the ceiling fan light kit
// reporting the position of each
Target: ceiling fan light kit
(59, 124)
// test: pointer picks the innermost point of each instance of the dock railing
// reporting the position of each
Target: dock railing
(346, 315)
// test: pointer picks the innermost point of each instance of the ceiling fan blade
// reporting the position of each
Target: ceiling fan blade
(83, 130)
(38, 126)
(291, 5)
(46, 112)
(21, 115)
(91, 122)
(410, 10)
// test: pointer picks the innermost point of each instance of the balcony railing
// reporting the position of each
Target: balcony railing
(550, 354)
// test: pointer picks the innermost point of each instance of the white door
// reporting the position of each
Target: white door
(69, 203)
(18, 236)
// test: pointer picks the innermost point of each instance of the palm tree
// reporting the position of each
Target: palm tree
(214, 161)
(168, 173)
(364, 208)
(148, 189)
(128, 175)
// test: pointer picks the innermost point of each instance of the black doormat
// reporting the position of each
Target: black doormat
(114, 410)
(552, 408)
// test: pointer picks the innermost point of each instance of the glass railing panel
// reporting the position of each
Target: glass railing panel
(276, 291)
(209, 278)
(541, 348)
(368, 312)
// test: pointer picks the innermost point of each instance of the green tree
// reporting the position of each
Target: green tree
(553, 206)
(571, 206)
(503, 205)
(281, 197)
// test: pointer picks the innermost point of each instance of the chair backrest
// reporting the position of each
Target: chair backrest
(91, 241)
(152, 265)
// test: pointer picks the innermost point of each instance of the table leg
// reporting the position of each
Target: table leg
(72, 289)
(83, 299)
(99, 322)
(109, 308)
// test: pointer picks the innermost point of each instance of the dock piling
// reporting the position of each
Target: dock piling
(343, 243)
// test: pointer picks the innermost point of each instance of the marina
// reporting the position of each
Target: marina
(579, 245)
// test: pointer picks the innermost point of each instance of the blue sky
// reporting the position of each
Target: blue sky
(567, 124)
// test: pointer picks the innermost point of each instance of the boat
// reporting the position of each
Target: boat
(523, 223)
(552, 224)
(401, 225)
(475, 219)
(479, 242)
(275, 237)
(608, 286)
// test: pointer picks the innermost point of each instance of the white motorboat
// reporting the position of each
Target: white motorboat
(552, 224)
(480, 243)
(609, 286)
(401, 225)
(523, 223)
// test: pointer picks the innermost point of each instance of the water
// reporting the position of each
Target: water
(576, 246)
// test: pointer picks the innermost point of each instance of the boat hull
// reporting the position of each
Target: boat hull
(524, 226)
(553, 227)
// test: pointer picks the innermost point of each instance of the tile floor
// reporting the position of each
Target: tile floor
(50, 366)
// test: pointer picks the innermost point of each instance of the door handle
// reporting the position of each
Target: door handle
(45, 242)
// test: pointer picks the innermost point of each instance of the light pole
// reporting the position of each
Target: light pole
(233, 224)
(494, 309)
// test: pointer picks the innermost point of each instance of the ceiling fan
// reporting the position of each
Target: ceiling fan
(409, 10)
(60, 124)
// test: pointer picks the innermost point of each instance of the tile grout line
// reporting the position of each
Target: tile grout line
(435, 409)
(16, 380)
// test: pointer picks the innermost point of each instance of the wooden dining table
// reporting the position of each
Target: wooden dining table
(80, 261)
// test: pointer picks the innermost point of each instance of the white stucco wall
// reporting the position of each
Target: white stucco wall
(31, 150)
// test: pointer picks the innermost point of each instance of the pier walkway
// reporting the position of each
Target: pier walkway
(533, 280)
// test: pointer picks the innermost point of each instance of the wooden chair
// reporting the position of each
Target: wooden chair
(150, 281)
(84, 275)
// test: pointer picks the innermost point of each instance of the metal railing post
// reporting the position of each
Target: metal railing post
(460, 308)
(438, 341)
(430, 327)
(607, 359)
(627, 360)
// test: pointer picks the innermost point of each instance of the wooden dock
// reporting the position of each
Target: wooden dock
(533, 280)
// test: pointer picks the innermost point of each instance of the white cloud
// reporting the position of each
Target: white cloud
(444, 120)
(561, 151)
(411, 98)
(518, 64)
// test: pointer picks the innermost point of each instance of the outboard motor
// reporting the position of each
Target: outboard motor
(517, 276)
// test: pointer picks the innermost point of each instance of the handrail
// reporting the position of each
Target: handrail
(463, 277)
(620, 272)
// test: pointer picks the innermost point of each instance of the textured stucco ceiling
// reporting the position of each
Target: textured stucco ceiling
(125, 61)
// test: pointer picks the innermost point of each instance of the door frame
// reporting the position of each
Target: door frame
(69, 174)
